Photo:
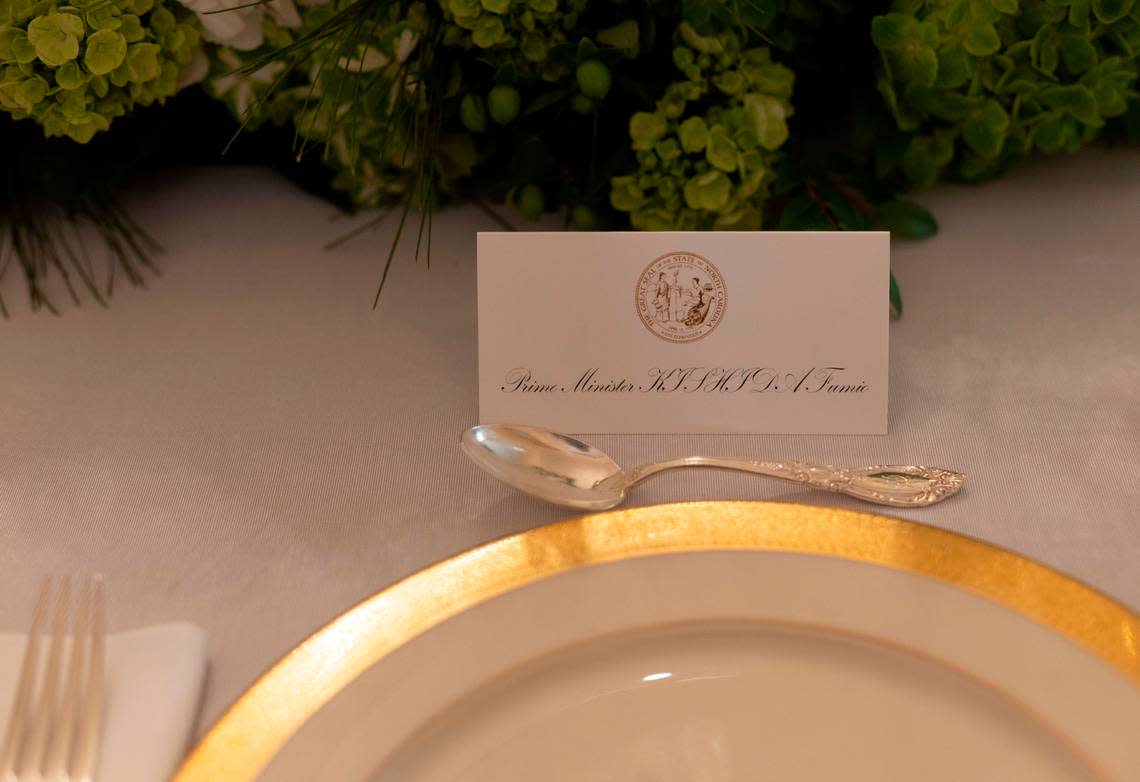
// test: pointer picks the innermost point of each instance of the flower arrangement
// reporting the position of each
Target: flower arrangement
(651, 114)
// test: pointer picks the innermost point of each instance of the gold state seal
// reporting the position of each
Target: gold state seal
(680, 297)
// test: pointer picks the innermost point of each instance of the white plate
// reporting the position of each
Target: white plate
(717, 641)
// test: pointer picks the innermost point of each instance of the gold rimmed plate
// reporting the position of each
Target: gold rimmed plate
(716, 641)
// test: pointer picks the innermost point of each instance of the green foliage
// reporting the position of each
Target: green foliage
(966, 87)
(73, 68)
(977, 84)
(516, 33)
(704, 155)
(655, 114)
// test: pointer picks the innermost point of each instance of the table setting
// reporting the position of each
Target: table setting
(559, 415)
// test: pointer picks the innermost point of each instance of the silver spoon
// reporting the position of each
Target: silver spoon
(565, 471)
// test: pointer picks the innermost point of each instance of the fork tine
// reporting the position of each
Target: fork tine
(60, 744)
(25, 689)
(43, 716)
(91, 712)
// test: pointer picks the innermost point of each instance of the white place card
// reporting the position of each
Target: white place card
(674, 332)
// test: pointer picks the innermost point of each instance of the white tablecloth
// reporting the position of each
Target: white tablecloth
(249, 446)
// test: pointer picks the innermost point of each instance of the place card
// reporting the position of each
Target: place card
(685, 332)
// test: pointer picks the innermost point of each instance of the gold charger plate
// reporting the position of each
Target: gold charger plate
(245, 741)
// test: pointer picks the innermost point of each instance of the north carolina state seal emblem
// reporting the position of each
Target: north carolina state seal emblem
(680, 297)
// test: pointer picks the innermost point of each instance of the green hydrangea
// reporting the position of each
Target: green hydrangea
(75, 67)
(979, 83)
(708, 167)
(520, 32)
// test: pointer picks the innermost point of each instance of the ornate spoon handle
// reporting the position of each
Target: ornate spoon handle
(902, 486)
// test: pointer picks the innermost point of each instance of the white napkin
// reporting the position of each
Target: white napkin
(154, 684)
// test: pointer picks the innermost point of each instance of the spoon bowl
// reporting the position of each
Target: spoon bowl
(545, 464)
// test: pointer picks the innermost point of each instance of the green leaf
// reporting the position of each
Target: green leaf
(70, 24)
(954, 67)
(1110, 11)
(488, 31)
(54, 38)
(894, 31)
(916, 66)
(82, 129)
(1049, 135)
(99, 85)
(586, 49)
(15, 46)
(464, 10)
(769, 119)
(694, 134)
(1019, 51)
(1110, 101)
(142, 61)
(473, 113)
(721, 150)
(73, 103)
(1022, 87)
(667, 150)
(1077, 52)
(131, 28)
(623, 35)
(1075, 99)
(905, 117)
(1079, 14)
(1043, 50)
(496, 6)
(702, 43)
(766, 76)
(975, 11)
(7, 36)
(533, 47)
(709, 191)
(646, 128)
(906, 219)
(69, 77)
(1005, 6)
(29, 92)
(104, 17)
(106, 50)
(729, 82)
(982, 40)
(984, 132)
(943, 104)
(121, 76)
(625, 195)
(896, 299)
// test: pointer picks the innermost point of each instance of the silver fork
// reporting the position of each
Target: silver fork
(53, 734)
